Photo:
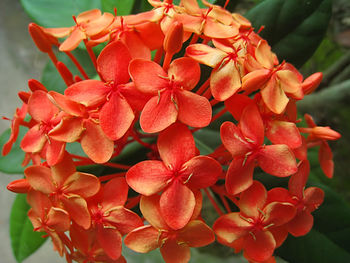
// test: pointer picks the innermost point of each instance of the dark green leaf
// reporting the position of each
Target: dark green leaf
(123, 7)
(294, 28)
(207, 140)
(24, 240)
(53, 13)
(51, 78)
(12, 163)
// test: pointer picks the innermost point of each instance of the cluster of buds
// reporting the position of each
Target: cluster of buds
(160, 100)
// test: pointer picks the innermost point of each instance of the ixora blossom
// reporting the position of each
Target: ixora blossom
(159, 78)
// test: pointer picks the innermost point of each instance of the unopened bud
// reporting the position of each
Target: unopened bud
(34, 85)
(325, 133)
(65, 73)
(311, 83)
(20, 186)
(39, 37)
(173, 39)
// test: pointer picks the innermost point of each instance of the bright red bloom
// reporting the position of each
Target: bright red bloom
(174, 244)
(171, 97)
(249, 229)
(178, 174)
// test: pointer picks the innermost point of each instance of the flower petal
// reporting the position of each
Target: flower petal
(253, 199)
(185, 71)
(38, 101)
(274, 97)
(283, 132)
(205, 54)
(233, 139)
(143, 239)
(251, 125)
(82, 184)
(173, 252)
(77, 208)
(39, 177)
(149, 206)
(111, 241)
(111, 198)
(260, 247)
(124, 219)
(197, 234)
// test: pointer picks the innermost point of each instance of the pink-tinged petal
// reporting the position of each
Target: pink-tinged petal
(39, 177)
(148, 76)
(123, 219)
(225, 80)
(297, 181)
(279, 213)
(136, 99)
(176, 146)
(253, 199)
(62, 170)
(173, 252)
(89, 15)
(236, 104)
(116, 117)
(233, 139)
(136, 46)
(111, 241)
(325, 157)
(148, 177)
(111, 198)
(82, 184)
(149, 206)
(301, 224)
(143, 239)
(239, 176)
(68, 130)
(77, 208)
(251, 125)
(193, 109)
(313, 198)
(264, 55)
(283, 132)
(277, 160)
(54, 152)
(39, 101)
(58, 219)
(159, 113)
(73, 41)
(201, 172)
(34, 140)
(88, 92)
(274, 96)
(185, 72)
(255, 80)
(113, 63)
(96, 144)
(289, 83)
(231, 227)
(196, 234)
(205, 54)
(177, 204)
(260, 247)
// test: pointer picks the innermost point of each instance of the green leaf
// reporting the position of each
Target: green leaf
(12, 163)
(53, 13)
(52, 79)
(24, 240)
(123, 7)
(207, 140)
(294, 28)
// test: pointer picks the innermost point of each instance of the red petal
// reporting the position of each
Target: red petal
(325, 157)
(236, 104)
(54, 152)
(147, 76)
(173, 252)
(68, 130)
(39, 177)
(279, 213)
(177, 204)
(205, 54)
(113, 63)
(143, 239)
(277, 160)
(111, 241)
(66, 104)
(123, 219)
(34, 140)
(158, 113)
(255, 80)
(233, 139)
(77, 208)
(88, 92)
(58, 219)
(95, 143)
(82, 184)
(116, 117)
(253, 199)
(89, 15)
(136, 46)
(225, 80)
(38, 101)
(283, 132)
(98, 24)
(136, 99)
(149, 206)
(194, 110)
(251, 125)
(196, 234)
(231, 227)
(201, 172)
(301, 224)
(239, 177)
(274, 96)
(185, 72)
(176, 146)
(313, 198)
(297, 181)
(112, 198)
(148, 177)
(73, 41)
(260, 247)
(62, 170)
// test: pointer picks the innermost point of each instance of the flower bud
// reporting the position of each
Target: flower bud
(20, 186)
(173, 39)
(311, 83)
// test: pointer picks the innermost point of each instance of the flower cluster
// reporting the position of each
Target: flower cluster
(160, 100)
